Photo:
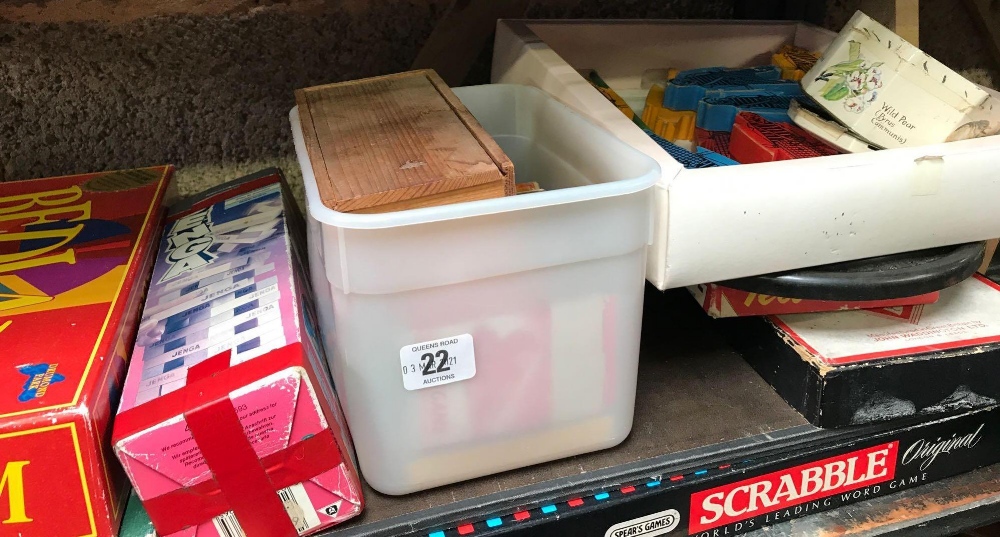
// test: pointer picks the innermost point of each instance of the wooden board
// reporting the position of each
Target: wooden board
(398, 142)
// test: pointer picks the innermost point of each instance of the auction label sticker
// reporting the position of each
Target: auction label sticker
(438, 362)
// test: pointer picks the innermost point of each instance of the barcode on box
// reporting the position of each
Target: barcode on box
(297, 504)
(227, 526)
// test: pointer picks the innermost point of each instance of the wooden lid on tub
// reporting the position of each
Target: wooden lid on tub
(398, 142)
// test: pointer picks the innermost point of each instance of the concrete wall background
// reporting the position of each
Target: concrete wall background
(88, 85)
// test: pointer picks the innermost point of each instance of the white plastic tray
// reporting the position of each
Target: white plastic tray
(730, 222)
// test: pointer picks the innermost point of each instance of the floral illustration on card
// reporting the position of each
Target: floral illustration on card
(853, 81)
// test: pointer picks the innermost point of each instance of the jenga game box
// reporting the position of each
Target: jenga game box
(75, 256)
(720, 301)
(229, 426)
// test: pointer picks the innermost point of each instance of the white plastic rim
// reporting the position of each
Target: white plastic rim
(621, 187)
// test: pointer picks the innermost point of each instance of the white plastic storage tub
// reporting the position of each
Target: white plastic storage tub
(720, 223)
(478, 337)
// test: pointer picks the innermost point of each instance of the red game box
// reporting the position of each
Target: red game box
(720, 301)
(75, 255)
(228, 425)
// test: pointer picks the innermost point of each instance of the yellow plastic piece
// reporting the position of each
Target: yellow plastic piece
(654, 101)
(675, 125)
(794, 61)
(669, 124)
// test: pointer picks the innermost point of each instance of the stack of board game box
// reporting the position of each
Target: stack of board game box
(871, 365)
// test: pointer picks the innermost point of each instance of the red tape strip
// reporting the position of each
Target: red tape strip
(199, 503)
(244, 483)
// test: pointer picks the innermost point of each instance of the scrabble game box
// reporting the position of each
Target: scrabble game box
(75, 256)
(228, 424)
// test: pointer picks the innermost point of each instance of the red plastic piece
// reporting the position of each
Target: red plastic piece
(575, 502)
(717, 141)
(466, 529)
(522, 515)
(626, 490)
(755, 139)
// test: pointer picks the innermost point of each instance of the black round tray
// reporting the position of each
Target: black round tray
(875, 278)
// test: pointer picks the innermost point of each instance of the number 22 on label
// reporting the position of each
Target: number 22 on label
(432, 364)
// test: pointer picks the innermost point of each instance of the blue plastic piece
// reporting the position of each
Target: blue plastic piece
(686, 158)
(548, 509)
(494, 522)
(602, 496)
(719, 113)
(652, 484)
(689, 87)
(436, 534)
(718, 159)
(701, 472)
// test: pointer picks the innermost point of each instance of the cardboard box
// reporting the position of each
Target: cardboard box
(888, 91)
(867, 366)
(228, 423)
(75, 255)
(730, 493)
(720, 301)
(716, 224)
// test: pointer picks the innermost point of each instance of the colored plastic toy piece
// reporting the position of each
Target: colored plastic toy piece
(719, 113)
(794, 61)
(755, 139)
(686, 158)
(715, 141)
(716, 157)
(654, 102)
(689, 87)
(673, 125)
